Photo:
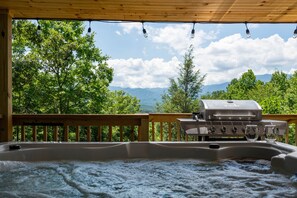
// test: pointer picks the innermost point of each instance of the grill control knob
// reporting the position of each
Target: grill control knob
(234, 129)
(212, 129)
(223, 129)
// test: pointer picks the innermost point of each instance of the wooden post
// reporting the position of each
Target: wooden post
(5, 76)
(144, 130)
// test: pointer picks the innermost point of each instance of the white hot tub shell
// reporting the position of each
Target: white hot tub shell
(283, 157)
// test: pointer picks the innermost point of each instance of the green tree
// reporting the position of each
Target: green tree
(25, 69)
(271, 95)
(215, 95)
(239, 88)
(119, 102)
(59, 70)
(280, 80)
(182, 95)
(291, 95)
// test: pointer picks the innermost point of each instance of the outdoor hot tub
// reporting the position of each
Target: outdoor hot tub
(283, 157)
(148, 169)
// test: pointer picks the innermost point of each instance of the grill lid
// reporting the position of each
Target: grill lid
(230, 110)
(229, 105)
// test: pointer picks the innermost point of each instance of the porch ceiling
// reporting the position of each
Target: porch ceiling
(210, 11)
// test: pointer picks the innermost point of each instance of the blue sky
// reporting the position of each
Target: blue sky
(221, 51)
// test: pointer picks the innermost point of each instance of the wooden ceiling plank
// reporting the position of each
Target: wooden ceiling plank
(223, 11)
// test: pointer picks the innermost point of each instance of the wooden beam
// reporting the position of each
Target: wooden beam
(211, 11)
(5, 76)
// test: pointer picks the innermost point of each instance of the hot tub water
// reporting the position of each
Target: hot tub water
(144, 178)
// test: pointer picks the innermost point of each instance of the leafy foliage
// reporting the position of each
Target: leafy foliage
(121, 102)
(60, 70)
(182, 95)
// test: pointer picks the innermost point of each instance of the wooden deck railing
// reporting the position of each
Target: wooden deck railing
(166, 121)
(139, 127)
(61, 124)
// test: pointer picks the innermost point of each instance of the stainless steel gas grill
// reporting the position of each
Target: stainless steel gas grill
(232, 118)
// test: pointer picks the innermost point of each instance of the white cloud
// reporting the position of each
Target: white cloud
(138, 73)
(177, 37)
(129, 27)
(229, 57)
(173, 37)
(118, 33)
(221, 59)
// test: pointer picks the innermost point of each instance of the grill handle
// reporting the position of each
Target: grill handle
(234, 115)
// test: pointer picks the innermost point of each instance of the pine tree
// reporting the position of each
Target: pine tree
(182, 95)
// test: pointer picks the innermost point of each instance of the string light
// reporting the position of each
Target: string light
(295, 33)
(193, 31)
(89, 29)
(145, 34)
(247, 31)
(144, 31)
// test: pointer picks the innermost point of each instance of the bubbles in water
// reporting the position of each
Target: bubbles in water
(145, 178)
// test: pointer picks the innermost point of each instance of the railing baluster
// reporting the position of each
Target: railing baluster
(169, 131)
(161, 131)
(178, 130)
(109, 133)
(56, 133)
(139, 133)
(89, 134)
(66, 133)
(77, 134)
(34, 133)
(153, 131)
(99, 133)
(23, 135)
(121, 133)
(296, 133)
(45, 133)
(132, 134)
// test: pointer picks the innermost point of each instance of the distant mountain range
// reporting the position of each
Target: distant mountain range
(223, 86)
(150, 96)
